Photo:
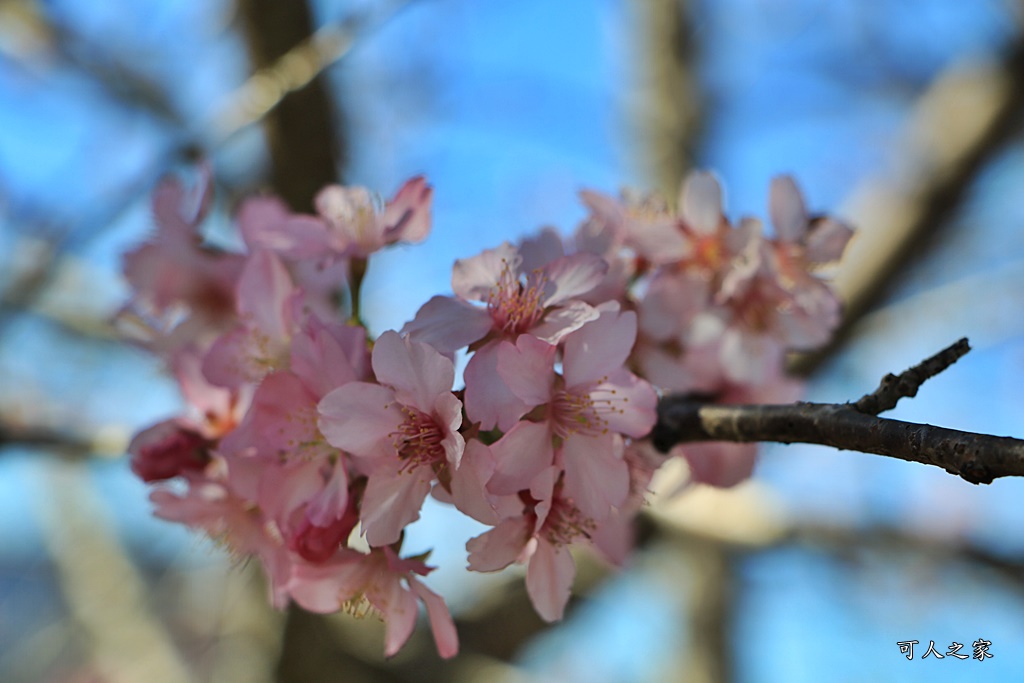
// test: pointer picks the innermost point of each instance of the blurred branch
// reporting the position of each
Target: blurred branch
(977, 458)
(668, 104)
(756, 523)
(36, 436)
(297, 112)
(709, 657)
(103, 590)
(960, 123)
(33, 39)
(295, 69)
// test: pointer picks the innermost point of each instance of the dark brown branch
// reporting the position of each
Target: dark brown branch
(37, 436)
(305, 145)
(906, 384)
(977, 458)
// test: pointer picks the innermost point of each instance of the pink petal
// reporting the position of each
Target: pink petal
(448, 324)
(488, 400)
(399, 608)
(573, 276)
(670, 303)
(207, 399)
(810, 327)
(280, 419)
(749, 358)
(827, 240)
(549, 580)
(631, 403)
(499, 547)
(660, 239)
(542, 488)
(447, 414)
(599, 347)
(441, 624)
(602, 230)
(285, 487)
(474, 278)
(701, 202)
(541, 249)
(596, 477)
(719, 464)
(528, 369)
(359, 417)
(331, 503)
(391, 501)
(326, 356)
(672, 372)
(323, 588)
(264, 291)
(469, 494)
(266, 223)
(230, 362)
(352, 213)
(521, 455)
(750, 258)
(614, 538)
(787, 210)
(416, 371)
(563, 320)
(407, 216)
(168, 205)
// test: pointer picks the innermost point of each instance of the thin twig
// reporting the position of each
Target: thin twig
(894, 387)
(977, 458)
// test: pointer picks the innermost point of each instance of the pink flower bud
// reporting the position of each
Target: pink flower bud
(319, 543)
(167, 450)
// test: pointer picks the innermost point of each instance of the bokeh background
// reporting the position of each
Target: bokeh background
(902, 116)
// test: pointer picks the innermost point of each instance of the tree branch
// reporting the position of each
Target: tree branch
(893, 387)
(977, 458)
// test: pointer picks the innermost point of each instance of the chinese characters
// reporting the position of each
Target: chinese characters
(980, 650)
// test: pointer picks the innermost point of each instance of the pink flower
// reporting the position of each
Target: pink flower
(802, 243)
(642, 224)
(595, 399)
(358, 225)
(378, 581)
(268, 312)
(183, 290)
(540, 301)
(405, 430)
(539, 536)
(209, 504)
(352, 222)
(802, 239)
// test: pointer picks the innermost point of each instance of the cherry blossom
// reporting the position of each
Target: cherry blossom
(183, 289)
(405, 429)
(299, 432)
(378, 581)
(539, 537)
(595, 399)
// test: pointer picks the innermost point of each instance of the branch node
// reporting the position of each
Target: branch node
(894, 387)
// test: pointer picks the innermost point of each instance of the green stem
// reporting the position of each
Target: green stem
(357, 270)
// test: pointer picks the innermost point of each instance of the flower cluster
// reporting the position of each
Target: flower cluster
(312, 447)
(719, 305)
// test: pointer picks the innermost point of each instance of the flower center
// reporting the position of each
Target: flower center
(516, 304)
(566, 523)
(575, 412)
(418, 440)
